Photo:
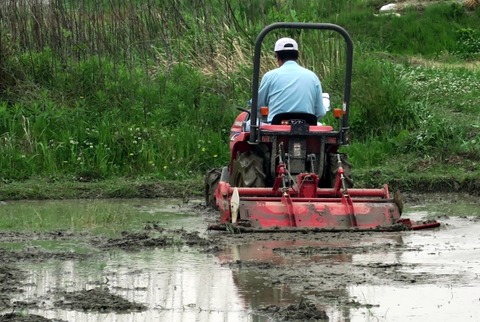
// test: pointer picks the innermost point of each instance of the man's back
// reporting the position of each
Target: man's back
(291, 88)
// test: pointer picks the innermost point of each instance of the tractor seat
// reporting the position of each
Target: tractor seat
(280, 118)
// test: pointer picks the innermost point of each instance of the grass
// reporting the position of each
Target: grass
(106, 217)
(153, 98)
(40, 217)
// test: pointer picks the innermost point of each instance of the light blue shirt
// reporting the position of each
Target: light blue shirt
(291, 88)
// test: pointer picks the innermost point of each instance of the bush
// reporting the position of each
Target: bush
(380, 100)
(468, 43)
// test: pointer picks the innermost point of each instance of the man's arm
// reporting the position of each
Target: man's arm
(263, 91)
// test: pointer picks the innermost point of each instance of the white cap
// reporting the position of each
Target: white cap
(286, 44)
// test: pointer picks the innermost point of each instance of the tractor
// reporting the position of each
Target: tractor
(289, 175)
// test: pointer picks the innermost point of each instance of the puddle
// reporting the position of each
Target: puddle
(429, 275)
(174, 285)
(453, 256)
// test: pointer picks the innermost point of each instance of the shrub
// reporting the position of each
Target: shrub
(380, 100)
(468, 43)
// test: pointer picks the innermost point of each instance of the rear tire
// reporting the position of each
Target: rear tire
(212, 178)
(347, 168)
(248, 171)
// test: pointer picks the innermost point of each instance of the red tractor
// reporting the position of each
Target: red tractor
(289, 174)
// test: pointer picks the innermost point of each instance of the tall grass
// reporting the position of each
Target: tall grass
(149, 88)
(116, 128)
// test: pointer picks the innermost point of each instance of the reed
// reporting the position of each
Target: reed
(99, 88)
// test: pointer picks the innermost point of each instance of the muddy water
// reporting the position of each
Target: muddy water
(174, 285)
(451, 256)
(431, 275)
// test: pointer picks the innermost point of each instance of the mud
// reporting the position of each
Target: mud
(10, 277)
(327, 266)
(93, 300)
(152, 236)
(18, 317)
(97, 300)
(155, 236)
(303, 311)
(319, 267)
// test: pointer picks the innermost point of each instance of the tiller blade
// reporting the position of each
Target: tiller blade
(307, 207)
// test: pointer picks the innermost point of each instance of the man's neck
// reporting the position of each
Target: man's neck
(281, 62)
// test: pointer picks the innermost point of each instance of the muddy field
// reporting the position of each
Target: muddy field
(302, 275)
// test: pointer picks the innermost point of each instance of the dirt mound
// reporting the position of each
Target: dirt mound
(97, 300)
(246, 264)
(17, 317)
(303, 311)
(155, 236)
(9, 280)
(36, 254)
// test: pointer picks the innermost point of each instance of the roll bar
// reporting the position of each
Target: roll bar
(254, 128)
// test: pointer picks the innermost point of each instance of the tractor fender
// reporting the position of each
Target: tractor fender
(238, 146)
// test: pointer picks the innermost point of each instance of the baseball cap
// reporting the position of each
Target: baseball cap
(286, 44)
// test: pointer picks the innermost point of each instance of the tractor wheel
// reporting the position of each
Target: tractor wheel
(347, 168)
(211, 182)
(248, 171)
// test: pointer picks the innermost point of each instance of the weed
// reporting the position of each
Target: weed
(468, 43)
(91, 97)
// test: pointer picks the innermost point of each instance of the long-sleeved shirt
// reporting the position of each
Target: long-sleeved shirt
(291, 88)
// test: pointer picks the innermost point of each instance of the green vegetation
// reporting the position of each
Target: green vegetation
(93, 216)
(142, 91)
(41, 218)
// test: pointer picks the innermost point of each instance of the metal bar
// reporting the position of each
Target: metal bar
(254, 129)
(241, 229)
(316, 200)
(245, 192)
(347, 199)
(288, 133)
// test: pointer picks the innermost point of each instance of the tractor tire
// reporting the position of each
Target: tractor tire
(333, 168)
(212, 178)
(248, 171)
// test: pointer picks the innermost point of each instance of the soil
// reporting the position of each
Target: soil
(267, 256)
(100, 299)
(17, 317)
(303, 311)
(97, 300)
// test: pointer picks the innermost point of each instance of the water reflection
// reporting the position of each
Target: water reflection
(176, 286)
(442, 303)
(450, 255)
(317, 259)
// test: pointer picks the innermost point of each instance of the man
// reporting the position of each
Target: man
(290, 87)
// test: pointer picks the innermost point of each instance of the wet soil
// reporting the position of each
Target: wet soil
(318, 266)
(93, 300)
(97, 300)
(155, 236)
(101, 300)
(331, 277)
(10, 277)
(18, 317)
(303, 311)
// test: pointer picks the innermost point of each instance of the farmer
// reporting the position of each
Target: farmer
(290, 87)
